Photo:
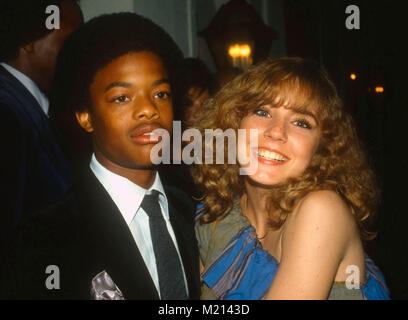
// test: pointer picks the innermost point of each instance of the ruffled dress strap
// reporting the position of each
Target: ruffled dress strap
(214, 237)
(235, 265)
(243, 270)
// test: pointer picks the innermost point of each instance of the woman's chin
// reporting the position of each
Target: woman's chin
(263, 182)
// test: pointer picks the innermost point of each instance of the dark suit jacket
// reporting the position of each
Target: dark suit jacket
(33, 172)
(85, 234)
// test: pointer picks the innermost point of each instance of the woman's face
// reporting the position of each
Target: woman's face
(287, 141)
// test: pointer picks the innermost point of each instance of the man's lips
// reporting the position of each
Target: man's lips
(143, 133)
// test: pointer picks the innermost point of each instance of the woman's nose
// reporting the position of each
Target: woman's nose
(276, 130)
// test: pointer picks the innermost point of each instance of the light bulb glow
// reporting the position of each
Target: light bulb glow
(379, 89)
(237, 50)
(234, 51)
(245, 50)
(241, 55)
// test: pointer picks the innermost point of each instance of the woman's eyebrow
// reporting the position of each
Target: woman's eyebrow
(305, 112)
(118, 84)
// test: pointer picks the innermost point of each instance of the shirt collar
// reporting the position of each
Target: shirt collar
(127, 195)
(30, 86)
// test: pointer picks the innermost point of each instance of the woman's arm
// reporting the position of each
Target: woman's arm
(313, 245)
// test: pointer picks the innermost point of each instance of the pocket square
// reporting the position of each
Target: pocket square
(103, 288)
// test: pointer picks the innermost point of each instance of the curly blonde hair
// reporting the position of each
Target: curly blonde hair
(339, 163)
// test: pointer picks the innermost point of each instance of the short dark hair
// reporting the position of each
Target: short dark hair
(97, 43)
(22, 22)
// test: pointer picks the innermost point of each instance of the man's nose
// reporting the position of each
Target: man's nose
(145, 108)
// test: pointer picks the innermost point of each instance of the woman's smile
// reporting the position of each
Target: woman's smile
(271, 157)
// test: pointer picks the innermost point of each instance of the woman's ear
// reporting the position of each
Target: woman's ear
(84, 120)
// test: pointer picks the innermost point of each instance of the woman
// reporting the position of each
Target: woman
(294, 228)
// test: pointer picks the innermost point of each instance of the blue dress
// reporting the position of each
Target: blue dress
(237, 268)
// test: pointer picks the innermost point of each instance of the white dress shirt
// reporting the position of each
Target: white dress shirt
(128, 197)
(30, 86)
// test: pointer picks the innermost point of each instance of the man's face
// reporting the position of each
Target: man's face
(131, 97)
(45, 50)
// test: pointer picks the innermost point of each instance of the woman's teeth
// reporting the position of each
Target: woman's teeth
(270, 155)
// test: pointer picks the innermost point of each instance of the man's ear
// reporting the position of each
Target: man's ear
(84, 120)
(28, 48)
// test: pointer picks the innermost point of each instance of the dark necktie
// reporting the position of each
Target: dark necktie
(171, 280)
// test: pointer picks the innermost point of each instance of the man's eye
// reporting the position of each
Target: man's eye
(261, 113)
(303, 124)
(162, 95)
(121, 99)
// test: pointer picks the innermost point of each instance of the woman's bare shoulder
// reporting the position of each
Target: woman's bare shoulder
(324, 211)
(325, 204)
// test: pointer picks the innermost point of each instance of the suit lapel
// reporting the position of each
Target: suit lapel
(109, 243)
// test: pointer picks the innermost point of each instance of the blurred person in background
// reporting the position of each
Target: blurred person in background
(33, 170)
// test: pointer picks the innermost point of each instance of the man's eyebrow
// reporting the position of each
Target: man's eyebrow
(118, 84)
(129, 85)
(160, 81)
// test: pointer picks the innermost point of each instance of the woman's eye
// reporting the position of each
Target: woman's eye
(121, 99)
(303, 124)
(162, 95)
(261, 113)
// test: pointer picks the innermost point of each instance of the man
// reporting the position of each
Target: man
(32, 169)
(121, 233)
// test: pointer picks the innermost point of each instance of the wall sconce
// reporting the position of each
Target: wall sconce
(353, 76)
(237, 36)
(241, 55)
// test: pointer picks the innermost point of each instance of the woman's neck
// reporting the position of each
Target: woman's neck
(254, 206)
